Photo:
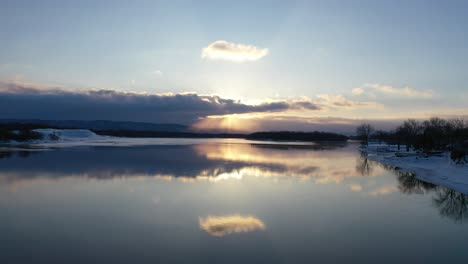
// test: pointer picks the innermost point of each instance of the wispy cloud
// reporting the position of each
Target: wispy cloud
(390, 90)
(283, 122)
(223, 50)
(358, 91)
(339, 101)
(157, 72)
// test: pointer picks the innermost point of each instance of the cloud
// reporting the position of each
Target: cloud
(202, 112)
(339, 101)
(389, 90)
(223, 50)
(283, 122)
(305, 104)
(291, 119)
(358, 91)
(224, 225)
(157, 72)
(18, 101)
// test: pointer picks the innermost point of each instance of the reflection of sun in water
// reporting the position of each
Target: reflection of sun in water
(321, 166)
(224, 225)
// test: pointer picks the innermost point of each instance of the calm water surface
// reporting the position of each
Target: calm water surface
(222, 202)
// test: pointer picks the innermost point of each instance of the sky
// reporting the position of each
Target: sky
(235, 65)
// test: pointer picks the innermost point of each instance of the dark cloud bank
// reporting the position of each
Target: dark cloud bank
(23, 102)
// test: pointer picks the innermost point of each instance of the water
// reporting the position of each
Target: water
(222, 202)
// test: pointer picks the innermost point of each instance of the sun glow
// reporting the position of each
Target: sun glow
(230, 123)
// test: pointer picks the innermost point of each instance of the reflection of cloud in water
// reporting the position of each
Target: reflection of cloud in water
(156, 199)
(355, 187)
(386, 190)
(224, 225)
(324, 166)
(188, 163)
(218, 162)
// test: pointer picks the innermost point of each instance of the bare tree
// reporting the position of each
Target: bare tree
(364, 132)
(434, 132)
(454, 129)
(408, 132)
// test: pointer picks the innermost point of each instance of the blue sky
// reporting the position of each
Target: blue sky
(315, 48)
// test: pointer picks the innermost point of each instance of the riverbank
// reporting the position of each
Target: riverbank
(438, 168)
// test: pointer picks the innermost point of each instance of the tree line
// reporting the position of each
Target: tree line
(19, 132)
(434, 134)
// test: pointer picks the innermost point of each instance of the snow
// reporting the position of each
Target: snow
(84, 137)
(65, 135)
(436, 169)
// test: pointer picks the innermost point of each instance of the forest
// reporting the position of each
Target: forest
(434, 134)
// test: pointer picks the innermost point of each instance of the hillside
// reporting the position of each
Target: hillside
(97, 125)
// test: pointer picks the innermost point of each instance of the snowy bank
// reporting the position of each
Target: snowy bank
(66, 135)
(437, 169)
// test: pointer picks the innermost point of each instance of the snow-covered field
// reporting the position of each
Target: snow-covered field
(436, 169)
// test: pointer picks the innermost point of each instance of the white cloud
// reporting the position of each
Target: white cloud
(389, 90)
(223, 50)
(358, 91)
(157, 72)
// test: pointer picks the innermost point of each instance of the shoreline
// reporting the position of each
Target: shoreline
(437, 169)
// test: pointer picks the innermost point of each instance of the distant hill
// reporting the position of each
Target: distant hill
(301, 136)
(99, 125)
(23, 130)
(165, 134)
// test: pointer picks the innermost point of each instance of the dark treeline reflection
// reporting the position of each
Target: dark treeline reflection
(409, 184)
(450, 203)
